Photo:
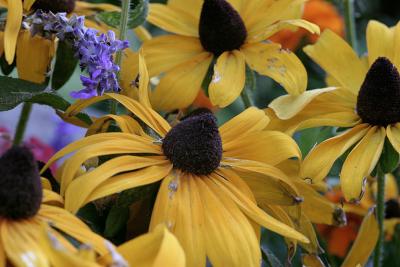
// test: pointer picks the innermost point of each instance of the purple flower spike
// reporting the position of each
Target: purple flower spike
(95, 51)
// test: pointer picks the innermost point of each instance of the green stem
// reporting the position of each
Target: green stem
(380, 201)
(349, 17)
(23, 121)
(247, 101)
(123, 27)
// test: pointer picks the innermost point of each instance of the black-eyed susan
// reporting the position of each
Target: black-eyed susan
(366, 100)
(234, 32)
(34, 230)
(204, 198)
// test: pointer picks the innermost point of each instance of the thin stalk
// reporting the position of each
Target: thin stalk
(23, 121)
(123, 27)
(350, 21)
(247, 101)
(380, 202)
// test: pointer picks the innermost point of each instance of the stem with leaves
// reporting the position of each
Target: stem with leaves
(380, 202)
(123, 27)
(22, 122)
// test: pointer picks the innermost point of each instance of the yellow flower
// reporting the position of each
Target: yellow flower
(34, 229)
(205, 198)
(366, 99)
(233, 32)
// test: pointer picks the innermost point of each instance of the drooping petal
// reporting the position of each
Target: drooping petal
(256, 214)
(126, 181)
(254, 13)
(393, 134)
(13, 25)
(270, 147)
(381, 46)
(129, 72)
(338, 59)
(365, 242)
(173, 20)
(320, 159)
(126, 123)
(250, 120)
(20, 243)
(143, 82)
(258, 35)
(228, 80)
(283, 66)
(52, 198)
(180, 86)
(229, 237)
(88, 182)
(178, 206)
(360, 163)
(287, 106)
(157, 248)
(34, 55)
(168, 51)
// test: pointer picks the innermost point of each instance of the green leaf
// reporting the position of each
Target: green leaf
(5, 68)
(269, 258)
(137, 15)
(389, 159)
(116, 221)
(64, 66)
(15, 91)
(127, 197)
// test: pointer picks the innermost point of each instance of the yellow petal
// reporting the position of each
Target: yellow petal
(13, 25)
(229, 237)
(173, 20)
(379, 41)
(34, 55)
(142, 33)
(193, 7)
(365, 242)
(281, 65)
(157, 248)
(87, 183)
(130, 180)
(396, 45)
(262, 34)
(360, 163)
(2, 252)
(143, 82)
(256, 21)
(228, 79)
(393, 134)
(52, 198)
(250, 120)
(287, 106)
(305, 227)
(21, 246)
(391, 188)
(256, 214)
(180, 86)
(320, 159)
(165, 52)
(129, 70)
(390, 227)
(28, 4)
(338, 59)
(270, 147)
(178, 206)
(126, 123)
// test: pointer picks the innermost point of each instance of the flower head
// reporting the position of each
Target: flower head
(232, 33)
(366, 100)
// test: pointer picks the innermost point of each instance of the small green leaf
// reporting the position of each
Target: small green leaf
(389, 159)
(137, 15)
(64, 66)
(5, 68)
(116, 221)
(269, 258)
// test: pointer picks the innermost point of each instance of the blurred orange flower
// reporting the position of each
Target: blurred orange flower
(320, 12)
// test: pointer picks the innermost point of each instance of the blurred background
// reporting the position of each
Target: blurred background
(47, 133)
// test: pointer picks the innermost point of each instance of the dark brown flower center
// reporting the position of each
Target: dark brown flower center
(378, 101)
(194, 145)
(392, 209)
(20, 184)
(54, 5)
(221, 28)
